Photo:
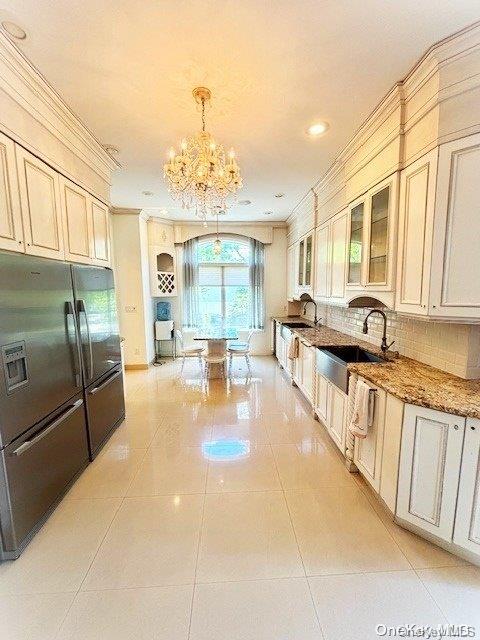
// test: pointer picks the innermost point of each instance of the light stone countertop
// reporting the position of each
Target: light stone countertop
(407, 379)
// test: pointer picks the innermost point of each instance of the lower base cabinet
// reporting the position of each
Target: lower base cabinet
(368, 451)
(330, 404)
(467, 520)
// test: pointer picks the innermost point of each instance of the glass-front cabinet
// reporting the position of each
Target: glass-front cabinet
(372, 219)
(304, 273)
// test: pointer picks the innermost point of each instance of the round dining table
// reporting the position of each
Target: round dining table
(216, 338)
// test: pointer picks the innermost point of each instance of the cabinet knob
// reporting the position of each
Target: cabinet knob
(455, 426)
(472, 427)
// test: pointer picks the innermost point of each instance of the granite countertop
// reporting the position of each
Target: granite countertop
(407, 379)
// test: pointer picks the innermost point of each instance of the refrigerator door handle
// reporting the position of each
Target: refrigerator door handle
(76, 347)
(50, 427)
(81, 309)
(105, 383)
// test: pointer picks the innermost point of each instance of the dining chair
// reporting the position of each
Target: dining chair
(240, 349)
(189, 352)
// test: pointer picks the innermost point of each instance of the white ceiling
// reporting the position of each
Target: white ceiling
(127, 67)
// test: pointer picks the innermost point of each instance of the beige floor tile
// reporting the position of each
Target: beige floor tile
(109, 475)
(421, 553)
(338, 532)
(456, 590)
(183, 431)
(57, 559)
(247, 536)
(33, 617)
(260, 610)
(159, 613)
(152, 542)
(350, 607)
(284, 430)
(310, 465)
(233, 413)
(135, 433)
(254, 470)
(170, 470)
(251, 430)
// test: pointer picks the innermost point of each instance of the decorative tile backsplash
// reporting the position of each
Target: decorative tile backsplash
(451, 347)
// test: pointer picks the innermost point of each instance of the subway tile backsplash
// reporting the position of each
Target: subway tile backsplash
(451, 347)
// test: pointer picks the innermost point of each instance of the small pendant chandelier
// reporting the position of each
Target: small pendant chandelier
(202, 176)
(217, 245)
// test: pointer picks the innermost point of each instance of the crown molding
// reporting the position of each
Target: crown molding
(26, 86)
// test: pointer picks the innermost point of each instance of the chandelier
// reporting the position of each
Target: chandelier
(202, 176)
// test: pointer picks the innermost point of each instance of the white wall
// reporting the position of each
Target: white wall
(128, 237)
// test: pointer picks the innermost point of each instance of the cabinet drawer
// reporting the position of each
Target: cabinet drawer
(39, 466)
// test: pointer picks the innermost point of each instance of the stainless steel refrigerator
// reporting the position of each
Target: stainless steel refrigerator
(61, 387)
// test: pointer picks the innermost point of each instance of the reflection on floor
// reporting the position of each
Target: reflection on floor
(225, 513)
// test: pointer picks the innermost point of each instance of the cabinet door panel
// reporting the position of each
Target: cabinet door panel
(456, 258)
(337, 403)
(307, 370)
(429, 469)
(300, 263)
(76, 222)
(417, 202)
(368, 451)
(11, 232)
(356, 243)
(291, 273)
(467, 520)
(100, 224)
(41, 207)
(322, 398)
(339, 245)
(308, 261)
(322, 261)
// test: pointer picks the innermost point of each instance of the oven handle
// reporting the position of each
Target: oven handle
(105, 383)
(48, 429)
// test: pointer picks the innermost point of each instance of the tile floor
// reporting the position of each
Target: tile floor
(225, 513)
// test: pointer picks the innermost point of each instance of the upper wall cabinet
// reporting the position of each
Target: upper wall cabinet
(100, 217)
(11, 232)
(77, 222)
(304, 269)
(291, 272)
(438, 256)
(41, 206)
(330, 259)
(371, 244)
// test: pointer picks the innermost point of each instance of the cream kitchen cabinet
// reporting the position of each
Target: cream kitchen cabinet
(41, 206)
(77, 222)
(291, 273)
(100, 216)
(11, 231)
(467, 520)
(305, 369)
(321, 397)
(368, 451)
(371, 253)
(304, 265)
(430, 462)
(330, 405)
(438, 256)
(330, 260)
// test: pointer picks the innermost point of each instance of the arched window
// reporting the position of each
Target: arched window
(225, 293)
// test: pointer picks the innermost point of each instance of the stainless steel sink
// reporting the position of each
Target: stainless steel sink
(332, 363)
(297, 325)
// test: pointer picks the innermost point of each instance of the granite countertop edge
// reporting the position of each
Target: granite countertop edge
(409, 380)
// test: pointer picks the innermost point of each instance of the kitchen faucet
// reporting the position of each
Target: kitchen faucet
(384, 346)
(315, 321)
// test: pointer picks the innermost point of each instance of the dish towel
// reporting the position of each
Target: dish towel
(293, 348)
(363, 408)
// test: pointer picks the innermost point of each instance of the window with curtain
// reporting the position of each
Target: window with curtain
(226, 288)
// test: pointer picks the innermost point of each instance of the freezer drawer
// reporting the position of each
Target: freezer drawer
(37, 468)
(105, 407)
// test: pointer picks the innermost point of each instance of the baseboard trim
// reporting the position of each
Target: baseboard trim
(136, 367)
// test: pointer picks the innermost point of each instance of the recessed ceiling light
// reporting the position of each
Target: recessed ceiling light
(244, 203)
(268, 213)
(14, 30)
(147, 193)
(111, 149)
(317, 128)
(279, 195)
